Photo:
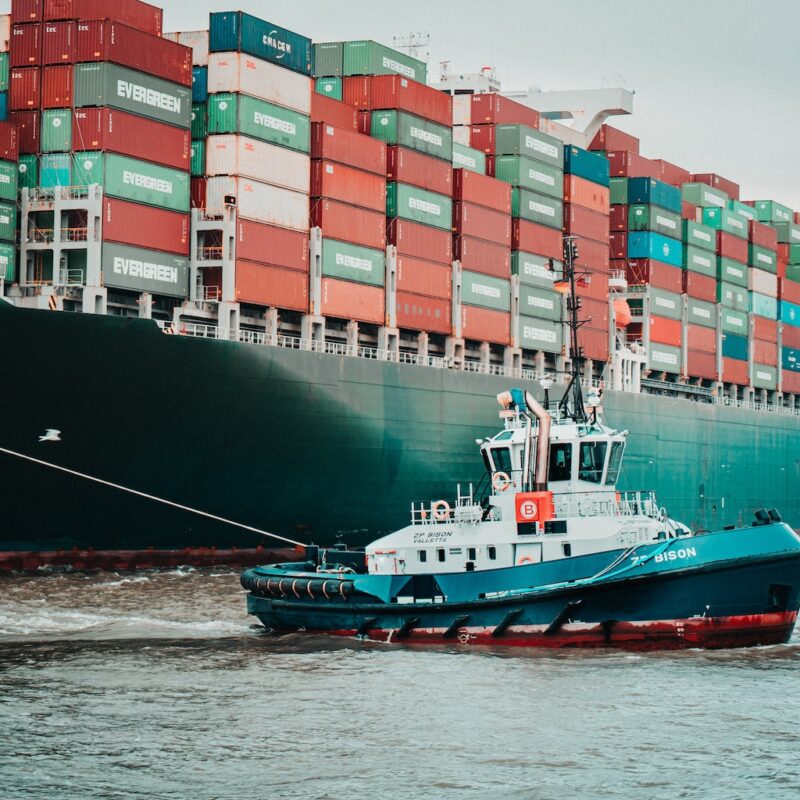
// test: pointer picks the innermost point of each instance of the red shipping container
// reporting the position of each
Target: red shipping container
(796, 217)
(594, 311)
(482, 223)
(765, 352)
(131, 135)
(482, 137)
(618, 218)
(485, 325)
(58, 43)
(710, 179)
(349, 300)
(781, 266)
(397, 92)
(608, 138)
(701, 365)
(197, 191)
(538, 239)
(624, 164)
(701, 338)
(734, 371)
(364, 121)
(790, 382)
(478, 255)
(593, 342)
(265, 285)
(764, 329)
(689, 211)
(26, 46)
(145, 226)
(349, 223)
(672, 174)
(731, 246)
(28, 124)
(9, 141)
(588, 224)
(418, 169)
(618, 245)
(24, 89)
(57, 86)
(580, 192)
(592, 284)
(592, 254)
(664, 276)
(337, 182)
(105, 40)
(787, 290)
(424, 277)
(482, 190)
(142, 16)
(348, 147)
(268, 244)
(334, 112)
(26, 10)
(700, 287)
(763, 235)
(420, 241)
(790, 336)
(494, 109)
(665, 331)
(420, 313)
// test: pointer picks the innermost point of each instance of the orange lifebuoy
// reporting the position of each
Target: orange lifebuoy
(525, 560)
(440, 510)
(500, 481)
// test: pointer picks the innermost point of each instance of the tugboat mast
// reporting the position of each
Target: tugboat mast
(571, 405)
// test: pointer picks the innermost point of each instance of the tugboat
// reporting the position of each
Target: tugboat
(546, 552)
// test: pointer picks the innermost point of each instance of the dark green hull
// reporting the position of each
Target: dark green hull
(309, 445)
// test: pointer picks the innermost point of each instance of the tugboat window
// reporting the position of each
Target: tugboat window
(502, 460)
(471, 553)
(422, 555)
(593, 457)
(440, 553)
(560, 462)
(614, 462)
(567, 547)
(492, 552)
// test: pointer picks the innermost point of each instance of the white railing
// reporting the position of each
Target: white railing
(751, 405)
(620, 504)
(70, 277)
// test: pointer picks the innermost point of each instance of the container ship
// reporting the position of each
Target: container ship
(277, 280)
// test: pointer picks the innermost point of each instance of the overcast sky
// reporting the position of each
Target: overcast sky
(717, 82)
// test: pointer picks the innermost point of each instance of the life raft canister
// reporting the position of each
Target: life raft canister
(534, 506)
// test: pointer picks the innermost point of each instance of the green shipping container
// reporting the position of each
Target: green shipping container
(352, 263)
(107, 84)
(763, 306)
(537, 207)
(794, 256)
(761, 258)
(723, 219)
(240, 113)
(699, 312)
(764, 376)
(55, 169)
(28, 172)
(788, 232)
(742, 208)
(769, 211)
(141, 270)
(327, 57)
(410, 202)
(520, 140)
(485, 291)
(664, 358)
(56, 130)
(8, 222)
(540, 334)
(704, 262)
(535, 175)
(732, 321)
(540, 303)
(535, 270)
(363, 57)
(654, 218)
(3, 73)
(198, 159)
(9, 172)
(664, 303)
(699, 235)
(199, 120)
(731, 271)
(398, 127)
(732, 296)
(330, 87)
(699, 194)
(8, 261)
(469, 158)
(88, 168)
(619, 191)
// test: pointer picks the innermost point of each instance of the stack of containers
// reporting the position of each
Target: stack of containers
(9, 156)
(586, 217)
(788, 235)
(5, 43)
(257, 153)
(24, 80)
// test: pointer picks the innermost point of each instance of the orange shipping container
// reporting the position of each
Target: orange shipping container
(673, 175)
(348, 185)
(539, 239)
(419, 169)
(421, 313)
(790, 382)
(271, 286)
(789, 290)
(592, 254)
(766, 329)
(420, 241)
(357, 301)
(608, 138)
(581, 192)
(580, 221)
(734, 371)
(765, 352)
(665, 331)
(790, 336)
(483, 223)
(593, 284)
(483, 190)
(416, 276)
(698, 337)
(485, 325)
(349, 223)
(701, 365)
(268, 244)
(478, 255)
(334, 112)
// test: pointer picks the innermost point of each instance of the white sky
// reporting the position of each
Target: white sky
(717, 82)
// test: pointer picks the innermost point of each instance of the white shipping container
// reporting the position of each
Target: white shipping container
(230, 154)
(197, 40)
(462, 109)
(239, 72)
(259, 201)
(762, 282)
(5, 33)
(461, 134)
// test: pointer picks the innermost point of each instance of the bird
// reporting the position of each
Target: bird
(51, 435)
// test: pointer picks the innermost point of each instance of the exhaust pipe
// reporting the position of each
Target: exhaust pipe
(543, 443)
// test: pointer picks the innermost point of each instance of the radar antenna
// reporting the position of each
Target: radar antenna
(413, 44)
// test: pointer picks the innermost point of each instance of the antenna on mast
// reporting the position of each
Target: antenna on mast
(413, 44)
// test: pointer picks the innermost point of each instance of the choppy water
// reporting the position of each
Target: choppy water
(158, 686)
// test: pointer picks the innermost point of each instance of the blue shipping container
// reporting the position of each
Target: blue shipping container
(645, 244)
(3, 106)
(199, 84)
(587, 165)
(763, 306)
(734, 346)
(790, 358)
(653, 192)
(235, 30)
(790, 313)
(55, 169)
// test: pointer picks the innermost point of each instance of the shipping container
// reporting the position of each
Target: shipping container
(761, 258)
(588, 224)
(539, 239)
(672, 174)
(56, 130)
(144, 226)
(399, 127)
(330, 87)
(731, 271)
(701, 365)
(647, 191)
(131, 135)
(784, 232)
(252, 158)
(618, 245)
(791, 336)
(384, 92)
(419, 169)
(267, 244)
(618, 191)
(663, 330)
(790, 359)
(199, 84)
(334, 112)
(417, 276)
(618, 219)
(10, 139)
(762, 282)
(4, 71)
(9, 172)
(105, 84)
(789, 290)
(363, 57)
(28, 172)
(8, 222)
(348, 185)
(57, 86)
(723, 184)
(8, 262)
(24, 93)
(198, 159)
(536, 207)
(349, 223)
(656, 273)
(765, 235)
(478, 255)
(764, 329)
(765, 376)
(350, 262)
(790, 313)
(231, 73)
(664, 358)
(702, 313)
(143, 16)
(258, 201)
(733, 321)
(494, 109)
(353, 301)
(631, 165)
(469, 158)
(701, 287)
(485, 325)
(518, 140)
(327, 58)
(26, 46)
(417, 312)
(698, 337)
(418, 205)
(586, 164)
(608, 138)
(58, 43)
(349, 148)
(197, 192)
(26, 10)
(539, 334)
(703, 262)
(580, 192)
(197, 41)
(699, 194)
(732, 296)
(55, 169)
(731, 246)
(199, 125)
(535, 301)
(482, 223)
(654, 245)
(481, 190)
(485, 291)
(790, 382)
(735, 371)
(267, 285)
(420, 241)
(726, 220)
(236, 30)
(535, 270)
(527, 173)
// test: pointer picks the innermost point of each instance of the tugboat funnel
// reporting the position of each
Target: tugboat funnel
(543, 443)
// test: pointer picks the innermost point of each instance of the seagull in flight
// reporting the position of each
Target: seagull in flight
(51, 435)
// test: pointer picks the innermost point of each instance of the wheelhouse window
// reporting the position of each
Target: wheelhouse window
(560, 462)
(615, 462)
(593, 458)
(491, 551)
(422, 555)
(502, 460)
(440, 554)
(471, 553)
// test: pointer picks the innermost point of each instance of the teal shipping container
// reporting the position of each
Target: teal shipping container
(365, 57)
(8, 261)
(761, 258)
(734, 346)
(8, 222)
(655, 245)
(770, 212)
(790, 357)
(55, 169)
(703, 262)
(698, 235)
(330, 87)
(199, 84)
(485, 291)
(28, 172)
(540, 334)
(619, 191)
(408, 130)
(763, 306)
(537, 207)
(699, 194)
(723, 219)
(731, 271)
(327, 58)
(586, 164)
(648, 191)
(541, 303)
(9, 176)
(732, 296)
(469, 158)
(350, 262)
(790, 313)
(198, 158)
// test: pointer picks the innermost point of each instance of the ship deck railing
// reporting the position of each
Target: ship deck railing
(620, 504)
